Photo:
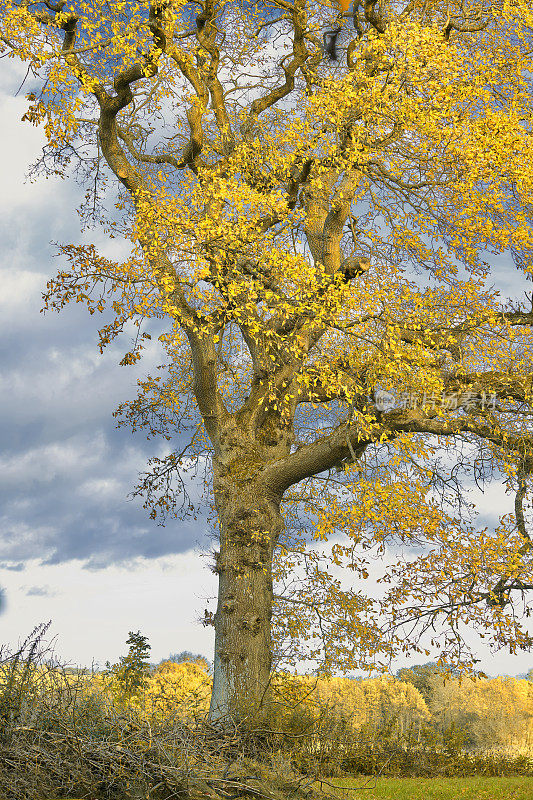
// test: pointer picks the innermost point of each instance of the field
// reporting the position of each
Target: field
(476, 788)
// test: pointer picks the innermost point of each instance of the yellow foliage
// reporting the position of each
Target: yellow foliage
(496, 712)
(171, 690)
(181, 690)
(375, 702)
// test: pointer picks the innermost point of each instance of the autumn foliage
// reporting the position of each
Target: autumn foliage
(171, 690)
(326, 727)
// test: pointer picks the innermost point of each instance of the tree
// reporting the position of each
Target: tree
(375, 702)
(493, 713)
(179, 688)
(132, 670)
(186, 657)
(311, 235)
(422, 677)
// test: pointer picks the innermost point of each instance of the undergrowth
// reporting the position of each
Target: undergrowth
(62, 734)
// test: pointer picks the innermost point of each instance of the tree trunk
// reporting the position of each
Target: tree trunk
(250, 524)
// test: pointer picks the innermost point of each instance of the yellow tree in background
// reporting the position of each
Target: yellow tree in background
(179, 689)
(311, 234)
(170, 689)
(494, 713)
(375, 702)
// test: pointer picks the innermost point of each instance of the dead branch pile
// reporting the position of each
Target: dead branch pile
(60, 739)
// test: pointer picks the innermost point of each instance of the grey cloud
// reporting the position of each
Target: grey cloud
(68, 500)
(66, 470)
(39, 591)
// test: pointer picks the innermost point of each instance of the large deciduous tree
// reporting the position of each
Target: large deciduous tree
(311, 233)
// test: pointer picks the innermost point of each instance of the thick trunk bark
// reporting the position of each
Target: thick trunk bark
(250, 524)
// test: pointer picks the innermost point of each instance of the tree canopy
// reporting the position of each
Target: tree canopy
(314, 236)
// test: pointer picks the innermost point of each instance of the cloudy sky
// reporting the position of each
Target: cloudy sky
(73, 549)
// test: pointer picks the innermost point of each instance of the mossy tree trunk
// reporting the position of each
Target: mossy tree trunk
(250, 525)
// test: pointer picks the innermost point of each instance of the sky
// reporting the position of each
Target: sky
(73, 548)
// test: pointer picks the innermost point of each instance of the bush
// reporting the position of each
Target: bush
(66, 734)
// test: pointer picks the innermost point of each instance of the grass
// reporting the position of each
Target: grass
(476, 788)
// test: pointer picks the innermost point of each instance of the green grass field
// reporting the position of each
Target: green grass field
(476, 788)
(434, 788)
